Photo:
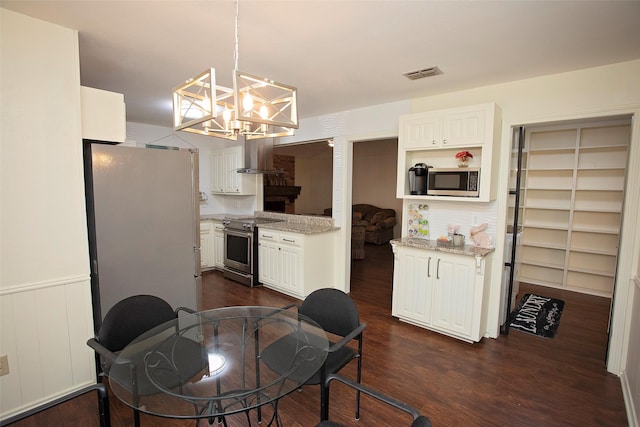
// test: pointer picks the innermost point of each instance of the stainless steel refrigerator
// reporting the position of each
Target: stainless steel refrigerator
(143, 219)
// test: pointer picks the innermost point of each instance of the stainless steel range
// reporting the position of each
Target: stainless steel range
(241, 248)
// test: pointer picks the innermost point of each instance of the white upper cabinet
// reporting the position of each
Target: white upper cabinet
(421, 131)
(224, 176)
(434, 138)
(446, 128)
(103, 115)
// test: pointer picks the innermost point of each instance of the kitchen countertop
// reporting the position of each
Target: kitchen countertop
(296, 227)
(468, 250)
(214, 217)
(304, 224)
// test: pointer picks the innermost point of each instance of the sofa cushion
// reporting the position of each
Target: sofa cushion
(378, 216)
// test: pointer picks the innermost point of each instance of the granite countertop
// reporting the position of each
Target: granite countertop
(468, 250)
(304, 224)
(296, 227)
(214, 217)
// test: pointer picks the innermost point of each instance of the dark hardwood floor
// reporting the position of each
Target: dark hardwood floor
(515, 380)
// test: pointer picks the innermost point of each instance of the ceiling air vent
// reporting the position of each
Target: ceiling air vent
(420, 74)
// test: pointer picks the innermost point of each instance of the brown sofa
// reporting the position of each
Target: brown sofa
(379, 222)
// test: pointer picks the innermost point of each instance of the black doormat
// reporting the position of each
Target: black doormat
(537, 315)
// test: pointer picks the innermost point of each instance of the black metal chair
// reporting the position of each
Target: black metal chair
(418, 420)
(129, 319)
(337, 314)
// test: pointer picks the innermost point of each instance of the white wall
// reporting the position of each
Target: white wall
(315, 195)
(374, 176)
(45, 289)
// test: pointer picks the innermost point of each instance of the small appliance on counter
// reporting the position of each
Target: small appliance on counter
(418, 179)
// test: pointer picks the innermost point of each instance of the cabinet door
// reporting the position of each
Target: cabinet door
(218, 246)
(464, 127)
(420, 131)
(217, 172)
(206, 244)
(415, 274)
(290, 269)
(454, 294)
(268, 252)
(232, 158)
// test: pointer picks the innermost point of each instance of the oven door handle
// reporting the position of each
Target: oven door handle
(238, 233)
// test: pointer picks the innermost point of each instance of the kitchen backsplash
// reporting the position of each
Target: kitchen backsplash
(442, 213)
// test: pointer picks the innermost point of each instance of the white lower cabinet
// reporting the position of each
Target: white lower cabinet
(439, 291)
(295, 263)
(206, 245)
(218, 245)
(211, 244)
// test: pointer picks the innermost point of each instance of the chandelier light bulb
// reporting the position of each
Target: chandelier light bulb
(226, 114)
(247, 102)
(264, 113)
(206, 103)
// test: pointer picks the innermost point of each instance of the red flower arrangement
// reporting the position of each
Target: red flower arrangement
(464, 156)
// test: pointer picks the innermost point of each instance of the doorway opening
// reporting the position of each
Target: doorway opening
(566, 193)
(373, 177)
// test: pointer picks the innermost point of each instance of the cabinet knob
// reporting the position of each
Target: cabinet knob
(433, 142)
(444, 141)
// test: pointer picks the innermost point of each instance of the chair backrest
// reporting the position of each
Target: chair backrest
(332, 309)
(130, 318)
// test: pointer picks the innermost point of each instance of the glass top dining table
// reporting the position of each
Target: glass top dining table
(207, 364)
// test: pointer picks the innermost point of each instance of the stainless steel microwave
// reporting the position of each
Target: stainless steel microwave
(459, 182)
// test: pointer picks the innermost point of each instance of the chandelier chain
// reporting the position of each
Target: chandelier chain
(236, 54)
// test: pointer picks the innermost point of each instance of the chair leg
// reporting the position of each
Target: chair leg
(324, 406)
(136, 418)
(359, 380)
(324, 396)
(103, 405)
(324, 409)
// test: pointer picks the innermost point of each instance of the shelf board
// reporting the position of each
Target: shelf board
(547, 226)
(544, 264)
(599, 210)
(552, 149)
(592, 271)
(544, 245)
(537, 281)
(594, 251)
(597, 230)
(551, 169)
(602, 147)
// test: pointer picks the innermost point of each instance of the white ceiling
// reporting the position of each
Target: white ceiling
(340, 55)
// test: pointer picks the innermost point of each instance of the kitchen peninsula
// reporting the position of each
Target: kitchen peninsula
(441, 288)
(292, 253)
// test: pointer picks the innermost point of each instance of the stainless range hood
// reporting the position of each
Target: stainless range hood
(258, 157)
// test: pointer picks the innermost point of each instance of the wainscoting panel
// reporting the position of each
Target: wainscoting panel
(631, 376)
(44, 329)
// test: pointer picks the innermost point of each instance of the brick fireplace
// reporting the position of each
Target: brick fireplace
(280, 191)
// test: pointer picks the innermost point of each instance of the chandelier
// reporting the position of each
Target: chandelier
(256, 107)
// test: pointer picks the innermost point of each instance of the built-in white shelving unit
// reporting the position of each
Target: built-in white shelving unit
(573, 191)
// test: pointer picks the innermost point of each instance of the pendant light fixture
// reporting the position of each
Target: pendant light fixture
(256, 107)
